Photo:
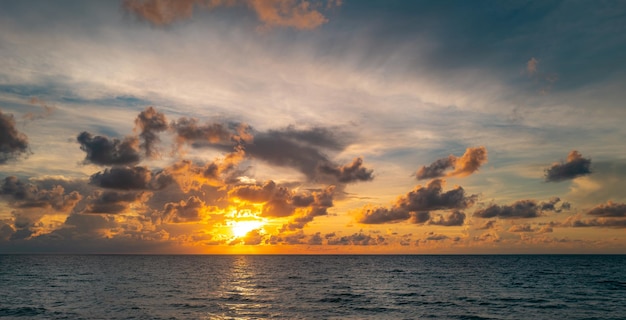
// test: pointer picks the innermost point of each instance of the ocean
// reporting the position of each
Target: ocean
(312, 287)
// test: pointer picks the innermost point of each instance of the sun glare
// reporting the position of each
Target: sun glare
(241, 228)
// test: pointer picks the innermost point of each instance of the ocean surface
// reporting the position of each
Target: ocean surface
(312, 287)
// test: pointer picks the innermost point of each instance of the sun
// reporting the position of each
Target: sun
(241, 228)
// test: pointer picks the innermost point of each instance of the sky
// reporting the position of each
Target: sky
(313, 127)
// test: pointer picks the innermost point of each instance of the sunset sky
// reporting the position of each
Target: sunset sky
(290, 126)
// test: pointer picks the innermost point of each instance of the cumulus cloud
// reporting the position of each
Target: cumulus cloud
(521, 209)
(417, 203)
(298, 14)
(574, 167)
(106, 151)
(28, 195)
(462, 166)
(113, 202)
(190, 131)
(12, 142)
(357, 239)
(130, 178)
(456, 218)
(521, 228)
(348, 173)
(609, 210)
(184, 211)
(150, 123)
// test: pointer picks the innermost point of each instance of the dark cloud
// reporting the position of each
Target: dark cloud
(113, 202)
(609, 210)
(124, 178)
(298, 149)
(379, 215)
(600, 223)
(456, 218)
(109, 151)
(12, 142)
(417, 204)
(314, 240)
(519, 209)
(357, 239)
(348, 173)
(28, 195)
(184, 211)
(436, 169)
(574, 167)
(189, 131)
(462, 166)
(150, 123)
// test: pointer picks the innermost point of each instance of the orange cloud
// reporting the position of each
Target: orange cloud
(298, 14)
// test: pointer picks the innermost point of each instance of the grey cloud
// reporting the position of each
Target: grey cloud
(519, 209)
(456, 218)
(417, 203)
(574, 167)
(188, 130)
(12, 142)
(348, 173)
(358, 239)
(150, 123)
(113, 202)
(28, 195)
(105, 151)
(130, 178)
(609, 210)
(436, 169)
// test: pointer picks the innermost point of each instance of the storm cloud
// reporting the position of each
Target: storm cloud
(574, 167)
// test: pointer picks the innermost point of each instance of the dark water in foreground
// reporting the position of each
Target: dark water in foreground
(312, 287)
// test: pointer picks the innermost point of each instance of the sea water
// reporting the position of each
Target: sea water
(313, 287)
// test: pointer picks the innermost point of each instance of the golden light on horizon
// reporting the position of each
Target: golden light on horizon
(241, 228)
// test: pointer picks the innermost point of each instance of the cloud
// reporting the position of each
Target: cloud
(609, 210)
(574, 167)
(467, 164)
(531, 66)
(279, 201)
(298, 14)
(130, 178)
(491, 224)
(521, 228)
(348, 173)
(27, 195)
(456, 218)
(188, 130)
(12, 142)
(521, 209)
(357, 239)
(149, 123)
(105, 151)
(417, 204)
(47, 110)
(184, 211)
(304, 150)
(114, 202)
